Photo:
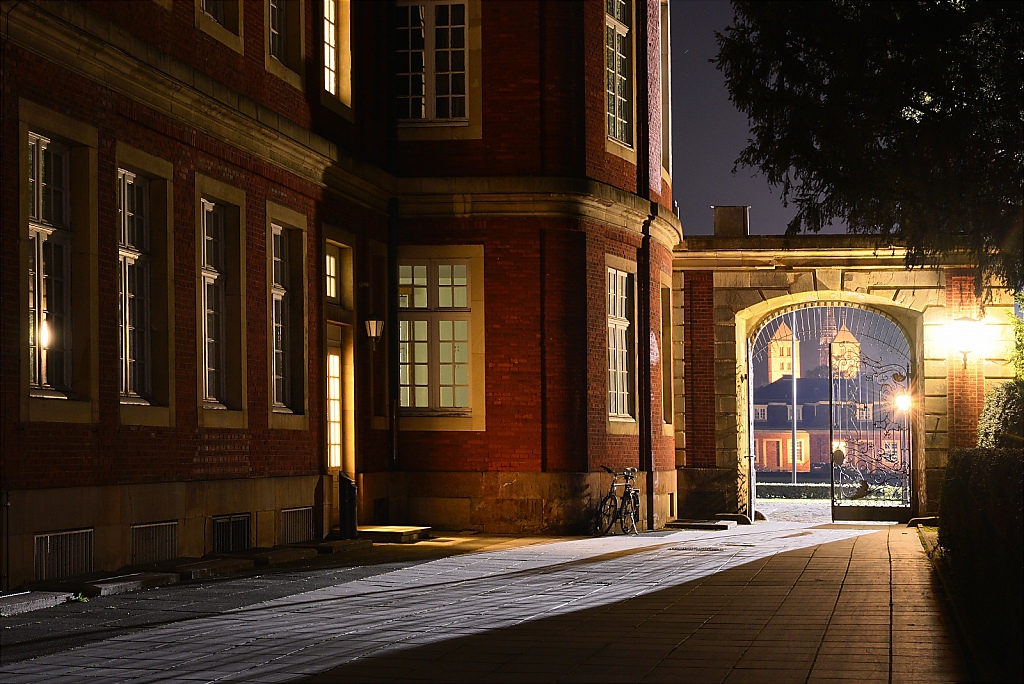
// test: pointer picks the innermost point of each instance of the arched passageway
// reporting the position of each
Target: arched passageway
(829, 413)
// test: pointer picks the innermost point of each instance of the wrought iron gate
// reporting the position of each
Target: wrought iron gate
(870, 434)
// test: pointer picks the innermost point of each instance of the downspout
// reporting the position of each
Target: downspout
(392, 338)
(646, 422)
(391, 327)
(643, 190)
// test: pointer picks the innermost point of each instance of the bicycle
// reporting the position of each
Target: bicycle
(612, 508)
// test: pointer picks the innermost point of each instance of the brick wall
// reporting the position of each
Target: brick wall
(965, 376)
(63, 454)
(698, 288)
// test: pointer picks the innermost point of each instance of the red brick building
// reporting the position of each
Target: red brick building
(204, 202)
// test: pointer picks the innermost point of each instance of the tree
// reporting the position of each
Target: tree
(903, 119)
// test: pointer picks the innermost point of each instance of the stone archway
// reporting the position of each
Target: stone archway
(889, 330)
(724, 287)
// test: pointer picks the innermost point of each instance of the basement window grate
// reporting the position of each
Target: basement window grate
(232, 533)
(63, 554)
(296, 525)
(154, 542)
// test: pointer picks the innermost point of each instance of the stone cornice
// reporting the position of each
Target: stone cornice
(576, 198)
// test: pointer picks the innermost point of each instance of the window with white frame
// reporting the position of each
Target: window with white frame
(214, 278)
(618, 72)
(278, 30)
(135, 267)
(434, 341)
(799, 413)
(620, 343)
(890, 448)
(864, 412)
(760, 413)
(284, 33)
(432, 74)
(280, 305)
(800, 451)
(49, 265)
(223, 12)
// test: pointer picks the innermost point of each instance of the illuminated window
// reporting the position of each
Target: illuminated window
(618, 73)
(334, 397)
(434, 340)
(135, 269)
(431, 76)
(337, 56)
(49, 265)
(620, 343)
(332, 264)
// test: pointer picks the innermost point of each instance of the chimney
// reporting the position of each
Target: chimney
(732, 221)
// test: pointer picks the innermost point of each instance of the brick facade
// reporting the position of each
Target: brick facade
(530, 182)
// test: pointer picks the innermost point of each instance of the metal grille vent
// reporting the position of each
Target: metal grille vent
(231, 533)
(296, 525)
(699, 549)
(63, 554)
(154, 542)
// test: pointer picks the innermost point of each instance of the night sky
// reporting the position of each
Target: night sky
(708, 133)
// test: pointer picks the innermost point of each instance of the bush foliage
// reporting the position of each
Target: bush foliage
(1001, 424)
(982, 528)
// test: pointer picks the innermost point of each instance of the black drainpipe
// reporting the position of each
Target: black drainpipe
(643, 185)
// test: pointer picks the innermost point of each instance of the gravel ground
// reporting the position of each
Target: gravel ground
(796, 510)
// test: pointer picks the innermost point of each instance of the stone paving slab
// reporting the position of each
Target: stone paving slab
(109, 586)
(26, 601)
(608, 609)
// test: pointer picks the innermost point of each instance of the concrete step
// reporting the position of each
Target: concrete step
(27, 601)
(701, 524)
(394, 534)
(336, 545)
(108, 586)
(276, 555)
(202, 568)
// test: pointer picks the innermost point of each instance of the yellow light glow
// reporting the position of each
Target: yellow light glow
(44, 335)
(902, 402)
(963, 335)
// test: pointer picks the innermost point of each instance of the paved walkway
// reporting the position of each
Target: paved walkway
(773, 602)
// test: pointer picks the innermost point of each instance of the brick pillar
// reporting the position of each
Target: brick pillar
(965, 382)
(699, 342)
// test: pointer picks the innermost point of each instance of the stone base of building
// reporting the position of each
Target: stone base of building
(501, 502)
(703, 492)
(68, 531)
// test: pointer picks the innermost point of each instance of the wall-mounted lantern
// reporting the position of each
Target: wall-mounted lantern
(964, 336)
(374, 329)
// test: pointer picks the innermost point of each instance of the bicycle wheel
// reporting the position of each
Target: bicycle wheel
(627, 516)
(605, 516)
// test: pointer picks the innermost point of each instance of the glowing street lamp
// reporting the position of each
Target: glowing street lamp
(902, 402)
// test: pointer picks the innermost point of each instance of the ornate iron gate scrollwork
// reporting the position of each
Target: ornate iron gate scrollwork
(870, 435)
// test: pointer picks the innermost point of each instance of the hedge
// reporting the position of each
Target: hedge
(982, 531)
